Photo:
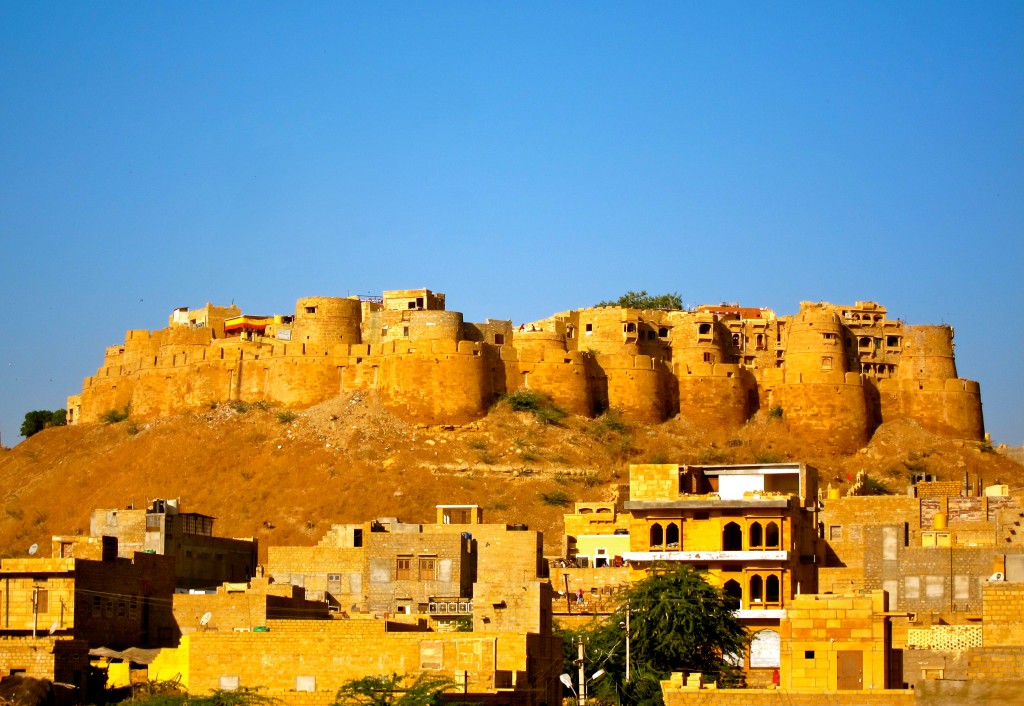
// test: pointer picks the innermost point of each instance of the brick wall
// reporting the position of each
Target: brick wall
(995, 663)
(1002, 609)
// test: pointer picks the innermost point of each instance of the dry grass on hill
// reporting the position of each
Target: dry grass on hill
(285, 477)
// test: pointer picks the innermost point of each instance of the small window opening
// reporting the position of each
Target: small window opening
(310, 309)
(657, 535)
(589, 328)
(704, 329)
(756, 535)
(756, 589)
(826, 362)
(662, 332)
(499, 339)
(672, 536)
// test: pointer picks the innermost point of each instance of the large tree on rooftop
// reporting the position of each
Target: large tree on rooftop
(678, 622)
(643, 300)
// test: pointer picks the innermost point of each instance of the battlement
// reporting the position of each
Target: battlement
(836, 371)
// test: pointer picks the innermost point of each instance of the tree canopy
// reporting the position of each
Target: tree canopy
(643, 300)
(406, 690)
(39, 419)
(678, 622)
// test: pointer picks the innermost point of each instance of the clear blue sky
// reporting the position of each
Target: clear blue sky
(523, 158)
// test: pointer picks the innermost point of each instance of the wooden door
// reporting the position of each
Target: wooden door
(851, 670)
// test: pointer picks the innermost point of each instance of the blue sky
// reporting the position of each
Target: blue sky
(524, 158)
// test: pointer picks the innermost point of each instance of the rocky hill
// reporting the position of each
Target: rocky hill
(285, 476)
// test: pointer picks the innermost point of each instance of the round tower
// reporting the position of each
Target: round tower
(927, 353)
(926, 387)
(435, 382)
(435, 326)
(698, 339)
(714, 392)
(815, 342)
(546, 366)
(821, 400)
(327, 320)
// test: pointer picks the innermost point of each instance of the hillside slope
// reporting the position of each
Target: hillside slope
(284, 477)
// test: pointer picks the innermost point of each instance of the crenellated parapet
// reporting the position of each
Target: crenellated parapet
(833, 372)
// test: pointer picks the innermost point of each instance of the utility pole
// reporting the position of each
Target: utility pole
(627, 641)
(583, 674)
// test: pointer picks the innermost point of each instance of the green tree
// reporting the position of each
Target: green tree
(405, 690)
(678, 622)
(643, 300)
(37, 420)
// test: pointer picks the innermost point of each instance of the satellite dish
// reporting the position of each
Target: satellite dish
(33, 549)
(53, 628)
(997, 576)
(207, 617)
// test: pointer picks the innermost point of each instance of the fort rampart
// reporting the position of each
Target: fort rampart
(832, 373)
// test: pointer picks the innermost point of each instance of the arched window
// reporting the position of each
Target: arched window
(760, 342)
(732, 538)
(771, 535)
(657, 537)
(756, 589)
(755, 535)
(704, 329)
(765, 649)
(672, 535)
(771, 590)
(733, 594)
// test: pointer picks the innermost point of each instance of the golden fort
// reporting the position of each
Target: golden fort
(835, 372)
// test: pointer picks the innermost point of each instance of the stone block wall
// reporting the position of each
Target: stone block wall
(324, 654)
(818, 628)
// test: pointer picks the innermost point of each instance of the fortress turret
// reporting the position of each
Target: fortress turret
(327, 320)
(927, 353)
(545, 364)
(714, 391)
(821, 400)
(816, 342)
(926, 387)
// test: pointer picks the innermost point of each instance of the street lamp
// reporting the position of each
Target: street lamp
(567, 680)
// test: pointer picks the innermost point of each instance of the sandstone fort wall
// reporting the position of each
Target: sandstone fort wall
(836, 372)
